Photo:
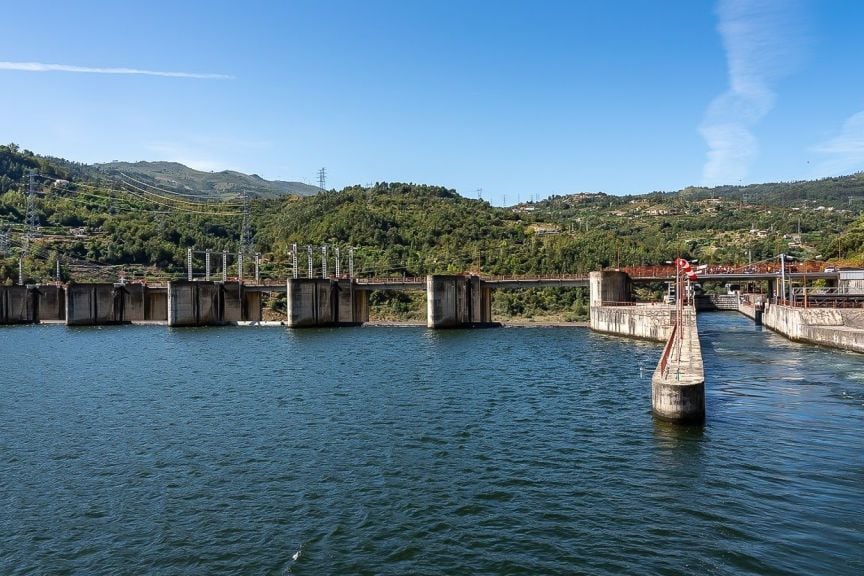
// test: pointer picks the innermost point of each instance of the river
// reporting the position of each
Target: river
(147, 450)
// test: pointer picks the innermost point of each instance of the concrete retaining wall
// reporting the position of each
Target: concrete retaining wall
(709, 302)
(747, 309)
(651, 322)
(835, 327)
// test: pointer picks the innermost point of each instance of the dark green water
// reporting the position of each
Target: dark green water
(143, 450)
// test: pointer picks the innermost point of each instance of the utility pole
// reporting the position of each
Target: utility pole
(294, 260)
(324, 261)
(783, 276)
(322, 178)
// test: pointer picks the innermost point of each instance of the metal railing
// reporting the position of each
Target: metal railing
(667, 351)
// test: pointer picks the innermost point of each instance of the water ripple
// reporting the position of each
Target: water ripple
(405, 451)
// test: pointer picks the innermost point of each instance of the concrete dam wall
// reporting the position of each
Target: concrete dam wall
(841, 328)
(650, 322)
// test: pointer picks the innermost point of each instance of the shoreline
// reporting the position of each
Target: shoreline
(278, 323)
(504, 324)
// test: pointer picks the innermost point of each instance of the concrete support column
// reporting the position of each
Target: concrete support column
(91, 304)
(443, 301)
(457, 302)
(361, 305)
(324, 302)
(232, 302)
(301, 302)
(135, 303)
(194, 304)
(17, 305)
(609, 287)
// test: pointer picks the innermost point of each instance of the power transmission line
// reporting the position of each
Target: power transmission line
(31, 219)
(245, 227)
(175, 193)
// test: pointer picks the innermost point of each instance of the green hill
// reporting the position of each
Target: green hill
(144, 216)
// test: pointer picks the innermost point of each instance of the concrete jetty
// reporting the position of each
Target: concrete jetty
(678, 382)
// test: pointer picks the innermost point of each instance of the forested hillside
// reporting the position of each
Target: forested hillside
(90, 219)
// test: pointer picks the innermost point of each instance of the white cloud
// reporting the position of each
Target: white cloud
(41, 67)
(759, 37)
(845, 152)
(731, 149)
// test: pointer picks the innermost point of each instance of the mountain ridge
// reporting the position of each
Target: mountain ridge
(212, 185)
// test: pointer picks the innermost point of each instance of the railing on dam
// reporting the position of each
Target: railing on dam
(490, 281)
(667, 351)
(632, 303)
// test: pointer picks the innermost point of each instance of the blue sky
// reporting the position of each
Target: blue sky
(520, 99)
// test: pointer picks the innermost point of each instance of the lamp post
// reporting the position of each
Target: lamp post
(783, 277)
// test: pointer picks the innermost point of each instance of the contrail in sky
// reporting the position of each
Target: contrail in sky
(41, 67)
(760, 38)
